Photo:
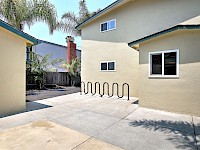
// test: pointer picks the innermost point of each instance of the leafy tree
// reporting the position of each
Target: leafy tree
(21, 12)
(40, 65)
(73, 68)
(70, 20)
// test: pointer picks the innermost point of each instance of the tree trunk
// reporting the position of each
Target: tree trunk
(70, 80)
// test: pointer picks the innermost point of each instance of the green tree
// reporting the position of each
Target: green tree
(40, 65)
(73, 68)
(70, 20)
(21, 12)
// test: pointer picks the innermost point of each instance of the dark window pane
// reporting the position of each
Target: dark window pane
(28, 53)
(27, 56)
(170, 63)
(111, 66)
(157, 64)
(104, 27)
(101, 27)
(103, 66)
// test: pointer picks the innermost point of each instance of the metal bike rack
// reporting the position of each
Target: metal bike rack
(95, 88)
(82, 83)
(106, 83)
(89, 84)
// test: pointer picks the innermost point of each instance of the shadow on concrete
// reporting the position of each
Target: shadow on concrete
(32, 93)
(183, 137)
(32, 106)
(136, 102)
(35, 95)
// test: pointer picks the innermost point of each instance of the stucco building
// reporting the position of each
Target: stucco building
(13, 45)
(169, 68)
(105, 38)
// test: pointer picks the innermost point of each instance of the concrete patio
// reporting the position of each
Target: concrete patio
(101, 123)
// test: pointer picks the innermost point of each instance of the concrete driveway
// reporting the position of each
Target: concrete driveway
(118, 123)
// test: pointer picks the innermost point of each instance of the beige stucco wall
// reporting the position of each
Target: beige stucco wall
(12, 74)
(135, 19)
(139, 18)
(126, 64)
(177, 95)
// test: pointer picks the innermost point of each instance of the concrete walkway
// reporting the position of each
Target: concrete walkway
(49, 136)
(118, 123)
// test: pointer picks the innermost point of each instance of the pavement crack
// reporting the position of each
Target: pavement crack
(93, 136)
(81, 143)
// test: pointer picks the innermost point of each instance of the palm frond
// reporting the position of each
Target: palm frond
(68, 27)
(70, 20)
(8, 11)
(73, 68)
(95, 12)
(43, 10)
(21, 12)
(57, 61)
(83, 11)
(71, 16)
(68, 23)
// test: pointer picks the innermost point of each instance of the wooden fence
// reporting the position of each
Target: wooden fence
(58, 78)
(52, 79)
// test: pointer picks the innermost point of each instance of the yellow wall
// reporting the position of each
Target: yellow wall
(140, 18)
(12, 74)
(126, 59)
(135, 19)
(178, 95)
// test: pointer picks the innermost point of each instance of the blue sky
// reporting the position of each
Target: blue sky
(41, 31)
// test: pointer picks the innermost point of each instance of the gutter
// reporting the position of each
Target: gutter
(98, 14)
(177, 27)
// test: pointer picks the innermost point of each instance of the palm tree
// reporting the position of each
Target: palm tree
(40, 65)
(70, 20)
(73, 68)
(21, 12)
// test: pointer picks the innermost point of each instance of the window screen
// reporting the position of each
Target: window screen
(111, 66)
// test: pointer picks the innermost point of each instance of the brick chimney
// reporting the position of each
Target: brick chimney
(71, 49)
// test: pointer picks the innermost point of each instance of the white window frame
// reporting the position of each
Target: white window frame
(162, 75)
(107, 25)
(107, 66)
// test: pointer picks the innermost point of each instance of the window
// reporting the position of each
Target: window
(28, 53)
(164, 63)
(109, 25)
(104, 66)
(107, 66)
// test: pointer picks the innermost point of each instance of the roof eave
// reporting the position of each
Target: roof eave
(98, 14)
(178, 27)
(42, 41)
(18, 32)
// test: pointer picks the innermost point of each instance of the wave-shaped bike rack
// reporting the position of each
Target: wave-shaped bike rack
(89, 84)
